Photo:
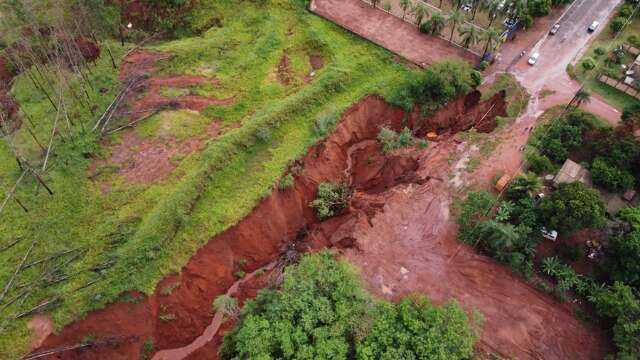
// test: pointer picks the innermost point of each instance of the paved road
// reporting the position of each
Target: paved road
(566, 47)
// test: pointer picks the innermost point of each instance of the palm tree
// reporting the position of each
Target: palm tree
(455, 18)
(374, 2)
(491, 37)
(470, 35)
(404, 4)
(419, 11)
(581, 96)
(492, 7)
(435, 24)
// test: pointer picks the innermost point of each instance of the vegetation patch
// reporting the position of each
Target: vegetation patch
(323, 311)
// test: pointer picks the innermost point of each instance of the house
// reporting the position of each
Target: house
(572, 172)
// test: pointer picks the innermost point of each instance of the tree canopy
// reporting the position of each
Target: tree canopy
(322, 312)
(572, 207)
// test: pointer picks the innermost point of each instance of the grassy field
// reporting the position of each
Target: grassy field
(607, 40)
(134, 234)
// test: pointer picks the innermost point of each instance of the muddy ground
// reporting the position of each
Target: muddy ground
(398, 229)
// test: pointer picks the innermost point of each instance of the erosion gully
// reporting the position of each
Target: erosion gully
(396, 228)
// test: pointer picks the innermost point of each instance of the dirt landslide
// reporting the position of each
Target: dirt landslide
(397, 229)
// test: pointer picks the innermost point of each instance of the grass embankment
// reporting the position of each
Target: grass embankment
(133, 235)
(608, 41)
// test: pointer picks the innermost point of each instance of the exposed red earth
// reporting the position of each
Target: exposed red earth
(185, 299)
(398, 230)
(389, 31)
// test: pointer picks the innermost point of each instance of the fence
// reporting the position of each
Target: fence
(620, 85)
(408, 18)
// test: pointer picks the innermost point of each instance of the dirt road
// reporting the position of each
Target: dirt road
(388, 31)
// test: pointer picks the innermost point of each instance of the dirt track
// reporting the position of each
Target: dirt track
(389, 31)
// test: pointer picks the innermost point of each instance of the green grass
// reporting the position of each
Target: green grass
(133, 235)
(605, 40)
(180, 124)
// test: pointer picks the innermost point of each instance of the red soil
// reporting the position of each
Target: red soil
(402, 238)
(142, 64)
(389, 31)
(316, 61)
(143, 160)
(284, 70)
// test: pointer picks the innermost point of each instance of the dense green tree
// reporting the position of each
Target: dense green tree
(588, 63)
(573, 207)
(322, 312)
(631, 114)
(616, 25)
(415, 329)
(611, 177)
(313, 317)
(490, 37)
(539, 8)
(623, 258)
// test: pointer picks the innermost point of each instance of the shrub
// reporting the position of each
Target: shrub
(286, 182)
(526, 21)
(625, 11)
(392, 140)
(263, 134)
(538, 8)
(332, 199)
(475, 209)
(610, 177)
(631, 114)
(416, 329)
(326, 122)
(634, 40)
(572, 207)
(617, 24)
(588, 63)
(539, 164)
(226, 305)
(599, 51)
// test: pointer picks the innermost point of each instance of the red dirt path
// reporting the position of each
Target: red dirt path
(389, 31)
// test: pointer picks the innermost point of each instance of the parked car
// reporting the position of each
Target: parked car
(539, 196)
(533, 59)
(554, 29)
(467, 7)
(594, 25)
(551, 235)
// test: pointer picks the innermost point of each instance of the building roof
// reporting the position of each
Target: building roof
(572, 172)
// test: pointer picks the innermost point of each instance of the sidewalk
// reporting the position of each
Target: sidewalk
(389, 32)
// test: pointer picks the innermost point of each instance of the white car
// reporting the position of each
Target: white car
(594, 25)
(467, 7)
(551, 235)
(533, 59)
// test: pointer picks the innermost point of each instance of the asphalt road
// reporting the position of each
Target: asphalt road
(557, 51)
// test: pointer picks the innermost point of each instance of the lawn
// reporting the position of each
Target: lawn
(132, 235)
(606, 40)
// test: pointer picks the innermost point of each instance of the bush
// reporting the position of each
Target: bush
(392, 140)
(323, 312)
(588, 64)
(634, 40)
(573, 207)
(286, 182)
(332, 199)
(617, 24)
(539, 164)
(416, 329)
(631, 114)
(610, 177)
(538, 8)
(625, 11)
(600, 51)
(326, 122)
(475, 209)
